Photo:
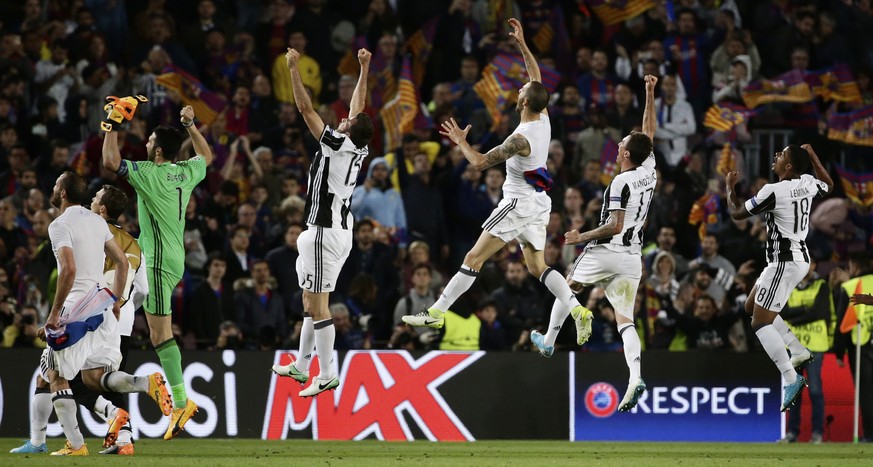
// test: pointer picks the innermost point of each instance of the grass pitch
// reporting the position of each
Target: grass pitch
(189, 451)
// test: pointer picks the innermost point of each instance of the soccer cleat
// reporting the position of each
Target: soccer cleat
(291, 371)
(632, 395)
(815, 438)
(539, 341)
(115, 424)
(179, 419)
(28, 448)
(802, 359)
(69, 451)
(158, 393)
(792, 391)
(582, 316)
(122, 450)
(431, 318)
(320, 385)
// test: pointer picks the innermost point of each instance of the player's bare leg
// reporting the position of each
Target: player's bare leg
(486, 246)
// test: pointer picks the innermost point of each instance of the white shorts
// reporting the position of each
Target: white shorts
(100, 348)
(323, 251)
(776, 283)
(618, 273)
(524, 219)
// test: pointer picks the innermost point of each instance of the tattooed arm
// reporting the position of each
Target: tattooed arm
(514, 145)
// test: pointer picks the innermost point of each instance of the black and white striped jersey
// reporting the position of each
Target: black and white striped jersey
(332, 178)
(630, 191)
(786, 206)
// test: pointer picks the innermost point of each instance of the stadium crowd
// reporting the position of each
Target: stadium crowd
(419, 206)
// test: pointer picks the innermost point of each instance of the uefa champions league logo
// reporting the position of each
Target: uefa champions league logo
(601, 399)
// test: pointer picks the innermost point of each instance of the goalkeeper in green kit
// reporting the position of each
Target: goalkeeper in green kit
(163, 186)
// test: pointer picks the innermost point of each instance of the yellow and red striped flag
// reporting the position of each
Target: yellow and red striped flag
(398, 115)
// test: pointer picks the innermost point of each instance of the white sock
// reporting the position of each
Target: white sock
(325, 334)
(557, 285)
(125, 436)
(119, 381)
(104, 409)
(556, 320)
(632, 349)
(788, 337)
(772, 343)
(460, 283)
(307, 344)
(66, 409)
(40, 411)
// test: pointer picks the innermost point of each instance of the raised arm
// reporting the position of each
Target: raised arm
(650, 121)
(359, 96)
(820, 172)
(201, 147)
(301, 97)
(111, 154)
(735, 206)
(514, 145)
(533, 69)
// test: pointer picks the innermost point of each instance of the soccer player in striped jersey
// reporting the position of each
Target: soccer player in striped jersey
(327, 242)
(786, 206)
(612, 257)
(524, 211)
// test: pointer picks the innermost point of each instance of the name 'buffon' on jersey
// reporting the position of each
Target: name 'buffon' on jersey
(630, 191)
(786, 206)
(332, 178)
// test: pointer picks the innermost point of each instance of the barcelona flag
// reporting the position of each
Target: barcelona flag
(858, 186)
(724, 116)
(615, 11)
(704, 212)
(608, 161)
(207, 104)
(420, 44)
(834, 84)
(854, 127)
(788, 87)
(503, 77)
(398, 115)
(552, 36)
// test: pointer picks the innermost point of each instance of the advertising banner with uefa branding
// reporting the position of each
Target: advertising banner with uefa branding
(386, 395)
(692, 396)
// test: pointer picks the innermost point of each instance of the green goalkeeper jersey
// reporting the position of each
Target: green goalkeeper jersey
(162, 198)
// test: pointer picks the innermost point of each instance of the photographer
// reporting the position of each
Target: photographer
(23, 331)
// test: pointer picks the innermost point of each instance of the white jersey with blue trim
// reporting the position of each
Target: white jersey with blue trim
(538, 134)
(786, 207)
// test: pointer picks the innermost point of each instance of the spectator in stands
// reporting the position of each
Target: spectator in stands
(247, 217)
(707, 328)
(420, 295)
(567, 117)
(663, 277)
(211, 303)
(492, 335)
(238, 114)
(591, 186)
(23, 330)
(377, 199)
(799, 34)
(19, 160)
(310, 71)
(283, 262)
(597, 86)
(624, 115)
(687, 49)
(469, 108)
(263, 108)
(258, 305)
(595, 139)
(348, 337)
(731, 87)
(423, 203)
(193, 36)
(236, 256)
(666, 241)
(709, 255)
(55, 77)
(604, 335)
(373, 258)
(520, 303)
(229, 337)
(676, 122)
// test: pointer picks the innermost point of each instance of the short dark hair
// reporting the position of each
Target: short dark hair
(170, 140)
(639, 146)
(363, 222)
(114, 200)
(76, 188)
(422, 266)
(213, 257)
(537, 96)
(799, 158)
(361, 132)
(862, 260)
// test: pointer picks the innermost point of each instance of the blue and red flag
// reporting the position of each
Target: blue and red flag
(857, 186)
(788, 87)
(834, 84)
(855, 127)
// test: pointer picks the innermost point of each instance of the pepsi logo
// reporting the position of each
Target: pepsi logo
(601, 400)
